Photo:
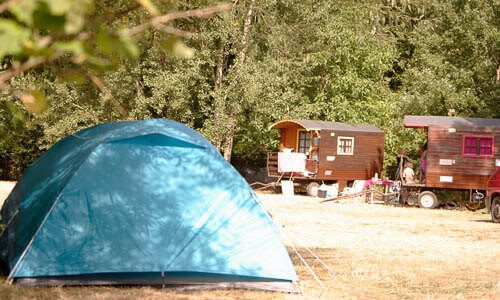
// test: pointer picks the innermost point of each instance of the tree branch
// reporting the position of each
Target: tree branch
(109, 18)
(174, 31)
(13, 72)
(4, 6)
(498, 74)
(196, 13)
(156, 22)
(107, 96)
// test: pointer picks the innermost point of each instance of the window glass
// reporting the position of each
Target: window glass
(470, 145)
(478, 146)
(485, 146)
(304, 141)
(345, 145)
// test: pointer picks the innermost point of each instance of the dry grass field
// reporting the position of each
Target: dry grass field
(5, 188)
(374, 251)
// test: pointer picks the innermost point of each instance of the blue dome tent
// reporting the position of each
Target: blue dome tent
(140, 202)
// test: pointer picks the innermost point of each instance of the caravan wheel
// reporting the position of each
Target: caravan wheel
(312, 189)
(495, 209)
(428, 199)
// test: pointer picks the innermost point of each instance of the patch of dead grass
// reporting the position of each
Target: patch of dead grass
(395, 252)
(375, 251)
(5, 189)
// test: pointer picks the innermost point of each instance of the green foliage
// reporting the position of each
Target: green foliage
(63, 15)
(18, 145)
(175, 46)
(49, 16)
(449, 57)
(356, 62)
(17, 36)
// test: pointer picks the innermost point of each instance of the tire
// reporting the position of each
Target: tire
(428, 199)
(495, 209)
(312, 189)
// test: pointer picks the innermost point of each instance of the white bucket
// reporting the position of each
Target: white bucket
(287, 187)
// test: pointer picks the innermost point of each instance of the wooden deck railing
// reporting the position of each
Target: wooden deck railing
(272, 166)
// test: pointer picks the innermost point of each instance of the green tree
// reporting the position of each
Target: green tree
(90, 37)
(449, 56)
(232, 75)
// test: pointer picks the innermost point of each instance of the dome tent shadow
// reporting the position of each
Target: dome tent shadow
(149, 202)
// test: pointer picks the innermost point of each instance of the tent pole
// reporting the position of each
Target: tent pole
(10, 280)
(303, 260)
(162, 280)
(333, 273)
(8, 222)
(280, 231)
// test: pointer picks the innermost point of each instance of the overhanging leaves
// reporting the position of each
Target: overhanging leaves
(13, 38)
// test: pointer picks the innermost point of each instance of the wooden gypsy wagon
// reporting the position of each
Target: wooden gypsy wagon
(312, 152)
(461, 154)
(493, 196)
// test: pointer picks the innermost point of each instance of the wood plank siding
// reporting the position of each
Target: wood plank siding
(445, 158)
(367, 142)
(288, 136)
(366, 160)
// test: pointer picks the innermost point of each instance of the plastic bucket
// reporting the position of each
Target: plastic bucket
(322, 193)
(287, 187)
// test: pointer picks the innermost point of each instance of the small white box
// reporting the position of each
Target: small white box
(446, 162)
(445, 178)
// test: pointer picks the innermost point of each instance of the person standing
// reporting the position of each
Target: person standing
(408, 174)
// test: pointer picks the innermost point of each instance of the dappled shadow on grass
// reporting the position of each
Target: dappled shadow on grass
(483, 221)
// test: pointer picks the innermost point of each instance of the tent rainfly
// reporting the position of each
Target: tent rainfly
(141, 202)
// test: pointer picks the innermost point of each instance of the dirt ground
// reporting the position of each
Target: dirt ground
(373, 251)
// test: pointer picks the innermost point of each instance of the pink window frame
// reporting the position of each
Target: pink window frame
(479, 137)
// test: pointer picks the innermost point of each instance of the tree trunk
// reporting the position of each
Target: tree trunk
(246, 29)
(219, 106)
(220, 66)
(498, 74)
(229, 140)
(228, 149)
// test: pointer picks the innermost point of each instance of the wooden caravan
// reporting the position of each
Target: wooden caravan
(332, 152)
(493, 196)
(461, 153)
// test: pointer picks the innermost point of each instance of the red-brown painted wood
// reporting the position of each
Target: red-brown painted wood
(365, 162)
(467, 172)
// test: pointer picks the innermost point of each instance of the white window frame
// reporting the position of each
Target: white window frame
(339, 152)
